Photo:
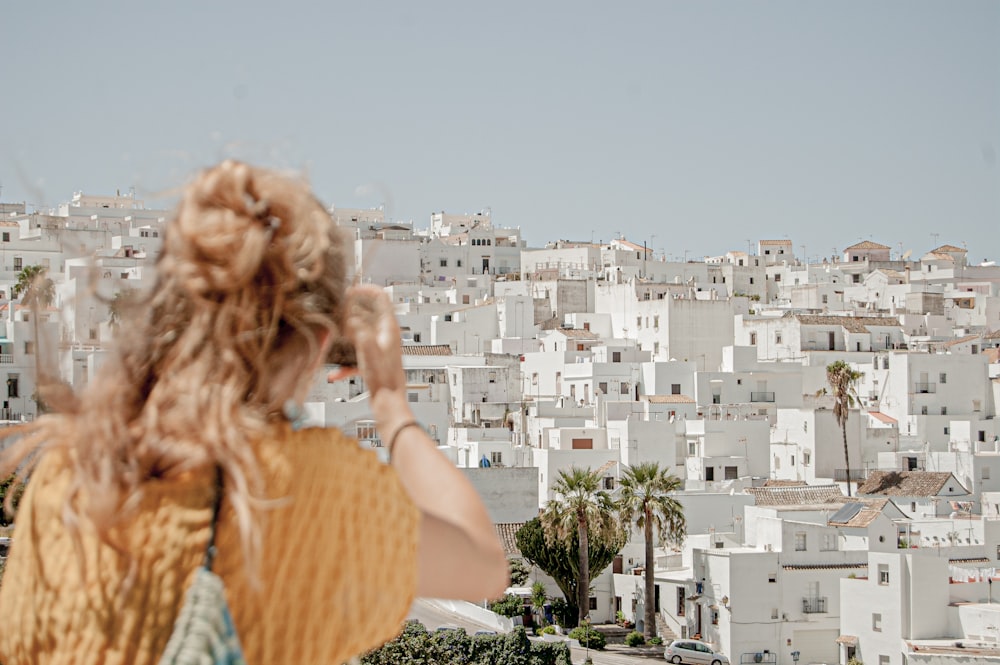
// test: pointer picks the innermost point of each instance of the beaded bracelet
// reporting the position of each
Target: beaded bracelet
(408, 423)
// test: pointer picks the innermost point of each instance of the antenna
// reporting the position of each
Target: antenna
(935, 236)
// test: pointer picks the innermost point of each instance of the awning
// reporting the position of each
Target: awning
(848, 640)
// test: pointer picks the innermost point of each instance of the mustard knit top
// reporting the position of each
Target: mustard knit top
(337, 572)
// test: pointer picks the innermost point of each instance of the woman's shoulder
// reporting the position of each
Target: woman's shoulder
(323, 453)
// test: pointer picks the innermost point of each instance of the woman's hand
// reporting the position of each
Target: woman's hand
(371, 327)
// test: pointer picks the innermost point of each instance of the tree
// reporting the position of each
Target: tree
(560, 560)
(584, 509)
(36, 287)
(843, 379)
(37, 292)
(645, 501)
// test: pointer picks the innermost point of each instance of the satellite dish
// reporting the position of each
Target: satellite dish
(906, 254)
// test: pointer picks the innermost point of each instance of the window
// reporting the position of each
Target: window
(731, 473)
(593, 602)
(826, 299)
(444, 263)
(675, 389)
(365, 431)
(774, 612)
(623, 389)
(944, 411)
(692, 448)
(92, 333)
(609, 483)
(753, 339)
(800, 541)
(411, 397)
(777, 337)
(616, 356)
(772, 578)
(883, 659)
(943, 378)
(829, 542)
(715, 617)
(12, 385)
(947, 430)
(656, 322)
(883, 573)
(710, 473)
(496, 457)
(29, 348)
(458, 263)
(680, 598)
(6, 236)
(806, 457)
(603, 387)
(877, 623)
(18, 263)
(751, 280)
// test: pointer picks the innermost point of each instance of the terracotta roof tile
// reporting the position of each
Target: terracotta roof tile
(878, 415)
(795, 496)
(506, 532)
(776, 242)
(825, 566)
(668, 399)
(905, 483)
(426, 350)
(948, 249)
(854, 324)
(867, 244)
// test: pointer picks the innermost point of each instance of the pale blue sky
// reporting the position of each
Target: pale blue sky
(703, 123)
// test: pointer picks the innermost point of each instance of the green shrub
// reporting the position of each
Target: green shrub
(635, 639)
(656, 640)
(415, 646)
(549, 630)
(587, 636)
(510, 605)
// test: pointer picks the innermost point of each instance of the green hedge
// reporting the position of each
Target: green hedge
(585, 634)
(416, 646)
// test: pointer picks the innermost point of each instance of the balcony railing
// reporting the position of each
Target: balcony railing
(813, 605)
(857, 475)
(761, 397)
(6, 358)
(924, 387)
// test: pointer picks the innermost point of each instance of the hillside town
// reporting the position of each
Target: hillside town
(819, 529)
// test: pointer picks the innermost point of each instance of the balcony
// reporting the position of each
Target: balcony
(6, 359)
(924, 388)
(761, 397)
(814, 605)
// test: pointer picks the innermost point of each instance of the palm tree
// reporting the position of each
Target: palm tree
(37, 289)
(584, 509)
(645, 501)
(37, 292)
(843, 379)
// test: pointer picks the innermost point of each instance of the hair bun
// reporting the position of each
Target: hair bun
(227, 225)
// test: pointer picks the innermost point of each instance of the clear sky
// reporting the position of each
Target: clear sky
(693, 126)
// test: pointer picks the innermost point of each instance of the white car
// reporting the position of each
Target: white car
(693, 651)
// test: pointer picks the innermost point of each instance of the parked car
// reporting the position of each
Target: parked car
(693, 651)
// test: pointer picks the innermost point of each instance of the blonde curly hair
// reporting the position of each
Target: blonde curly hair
(251, 279)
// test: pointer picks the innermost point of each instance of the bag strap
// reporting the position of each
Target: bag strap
(210, 549)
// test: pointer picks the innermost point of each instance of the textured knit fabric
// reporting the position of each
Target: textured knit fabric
(338, 570)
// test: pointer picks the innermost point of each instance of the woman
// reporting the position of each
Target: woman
(321, 547)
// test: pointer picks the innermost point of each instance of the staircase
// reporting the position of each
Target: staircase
(663, 631)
